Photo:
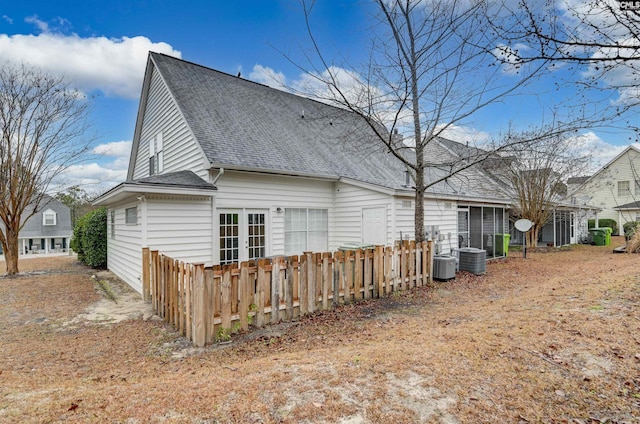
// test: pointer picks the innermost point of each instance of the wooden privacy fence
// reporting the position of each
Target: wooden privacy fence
(208, 304)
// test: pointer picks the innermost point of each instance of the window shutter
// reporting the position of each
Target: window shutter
(152, 147)
(159, 141)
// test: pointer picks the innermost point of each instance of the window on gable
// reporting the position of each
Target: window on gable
(637, 189)
(131, 215)
(156, 155)
(49, 217)
(305, 230)
(624, 188)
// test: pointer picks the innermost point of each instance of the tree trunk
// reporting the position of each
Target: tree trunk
(419, 215)
(532, 237)
(11, 252)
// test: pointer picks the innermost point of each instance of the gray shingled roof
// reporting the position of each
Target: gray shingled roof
(577, 180)
(186, 179)
(240, 123)
(632, 205)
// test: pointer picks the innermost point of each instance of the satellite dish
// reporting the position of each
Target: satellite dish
(523, 225)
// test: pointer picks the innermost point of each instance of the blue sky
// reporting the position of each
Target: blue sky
(101, 47)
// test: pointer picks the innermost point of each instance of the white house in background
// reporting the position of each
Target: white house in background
(223, 170)
(48, 230)
(615, 189)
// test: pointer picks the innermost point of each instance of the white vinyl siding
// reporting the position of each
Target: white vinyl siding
(124, 252)
(443, 213)
(163, 123)
(603, 191)
(178, 227)
(349, 202)
(181, 228)
(251, 191)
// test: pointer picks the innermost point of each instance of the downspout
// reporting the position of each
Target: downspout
(143, 217)
(215, 248)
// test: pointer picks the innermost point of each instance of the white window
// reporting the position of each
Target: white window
(637, 191)
(49, 217)
(623, 188)
(305, 230)
(131, 215)
(156, 155)
(113, 224)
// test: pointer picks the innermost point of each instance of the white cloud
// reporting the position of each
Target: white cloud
(600, 151)
(114, 148)
(114, 66)
(108, 170)
(465, 135)
(7, 19)
(268, 76)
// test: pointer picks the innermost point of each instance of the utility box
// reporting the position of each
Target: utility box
(473, 260)
(444, 268)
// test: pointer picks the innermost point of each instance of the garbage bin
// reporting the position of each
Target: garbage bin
(599, 236)
(355, 246)
(502, 244)
(607, 236)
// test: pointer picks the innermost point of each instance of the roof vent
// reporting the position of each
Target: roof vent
(302, 114)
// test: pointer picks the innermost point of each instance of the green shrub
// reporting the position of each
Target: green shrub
(90, 238)
(630, 228)
(605, 222)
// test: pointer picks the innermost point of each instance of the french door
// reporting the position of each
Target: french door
(243, 234)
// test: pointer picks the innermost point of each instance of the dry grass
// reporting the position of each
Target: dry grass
(551, 339)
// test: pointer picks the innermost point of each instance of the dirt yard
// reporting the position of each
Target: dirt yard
(554, 338)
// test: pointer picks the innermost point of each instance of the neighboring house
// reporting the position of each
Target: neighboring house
(615, 189)
(48, 230)
(568, 223)
(223, 170)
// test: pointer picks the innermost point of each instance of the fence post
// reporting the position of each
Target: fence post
(337, 259)
(412, 264)
(304, 285)
(199, 329)
(262, 263)
(311, 281)
(146, 266)
(430, 260)
(275, 290)
(225, 304)
(188, 300)
(368, 273)
(243, 309)
(326, 279)
(348, 272)
(357, 284)
(214, 282)
(288, 294)
(154, 280)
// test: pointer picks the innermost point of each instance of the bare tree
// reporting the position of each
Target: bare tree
(43, 123)
(597, 40)
(430, 69)
(536, 174)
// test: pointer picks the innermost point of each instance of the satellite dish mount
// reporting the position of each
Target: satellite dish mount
(524, 225)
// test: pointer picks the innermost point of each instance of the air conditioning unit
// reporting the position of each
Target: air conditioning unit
(472, 260)
(444, 267)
